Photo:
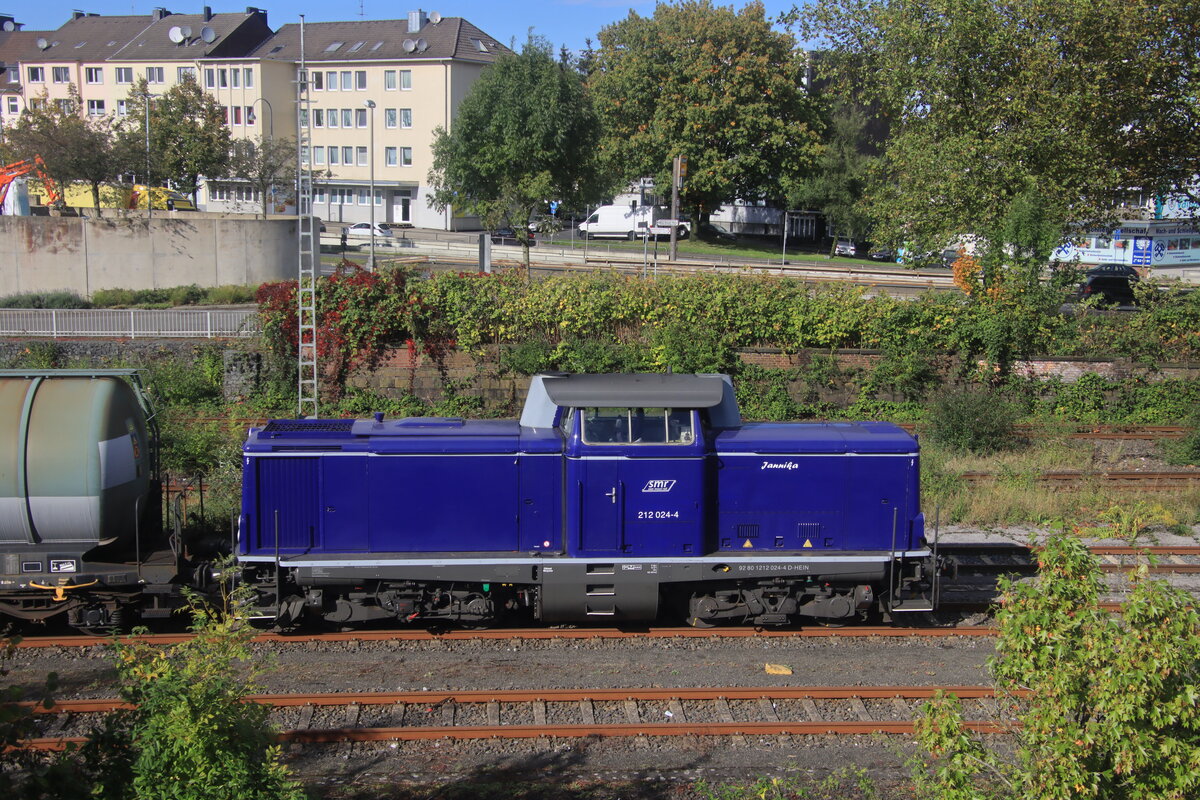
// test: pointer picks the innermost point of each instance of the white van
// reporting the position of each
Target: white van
(623, 222)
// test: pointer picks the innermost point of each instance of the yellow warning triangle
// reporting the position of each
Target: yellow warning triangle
(748, 544)
(808, 543)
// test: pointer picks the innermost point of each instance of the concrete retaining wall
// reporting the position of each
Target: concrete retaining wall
(130, 252)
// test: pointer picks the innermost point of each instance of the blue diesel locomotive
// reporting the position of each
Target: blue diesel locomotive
(614, 498)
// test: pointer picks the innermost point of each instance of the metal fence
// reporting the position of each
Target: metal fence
(131, 324)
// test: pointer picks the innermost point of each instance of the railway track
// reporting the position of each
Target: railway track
(735, 712)
(1133, 481)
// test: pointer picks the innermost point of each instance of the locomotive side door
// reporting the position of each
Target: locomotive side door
(636, 482)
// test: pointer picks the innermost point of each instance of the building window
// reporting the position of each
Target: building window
(225, 114)
(235, 78)
(304, 118)
(14, 74)
(93, 75)
(304, 154)
(319, 156)
(248, 77)
(64, 105)
(333, 157)
(318, 118)
(360, 79)
(237, 115)
(389, 118)
(122, 108)
(333, 118)
(37, 74)
(223, 79)
(154, 74)
(184, 74)
(364, 197)
(210, 78)
(331, 81)
(60, 74)
(348, 156)
(347, 117)
(378, 197)
(347, 80)
(406, 79)
(95, 108)
(250, 117)
(35, 103)
(124, 75)
(13, 106)
(317, 81)
(406, 156)
(318, 195)
(360, 117)
(389, 79)
(389, 156)
(406, 118)
(362, 156)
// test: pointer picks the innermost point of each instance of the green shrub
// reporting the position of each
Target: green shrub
(44, 300)
(113, 298)
(185, 295)
(228, 295)
(979, 422)
(359, 402)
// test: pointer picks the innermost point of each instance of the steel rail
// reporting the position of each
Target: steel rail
(426, 635)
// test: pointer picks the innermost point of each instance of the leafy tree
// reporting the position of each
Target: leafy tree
(715, 85)
(74, 147)
(188, 136)
(1075, 101)
(840, 177)
(525, 134)
(266, 164)
(1106, 703)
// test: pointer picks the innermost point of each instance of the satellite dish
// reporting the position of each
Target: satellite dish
(408, 44)
(208, 35)
(42, 43)
(9, 25)
(422, 45)
(435, 17)
(187, 31)
(175, 34)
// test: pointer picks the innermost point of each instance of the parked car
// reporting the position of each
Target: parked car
(508, 237)
(363, 229)
(882, 254)
(1112, 283)
(845, 247)
(715, 233)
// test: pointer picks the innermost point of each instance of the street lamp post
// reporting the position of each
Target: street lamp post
(149, 188)
(270, 115)
(371, 167)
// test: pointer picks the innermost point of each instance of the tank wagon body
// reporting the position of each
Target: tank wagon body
(80, 515)
(613, 498)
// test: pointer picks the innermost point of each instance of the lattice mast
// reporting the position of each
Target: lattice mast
(308, 250)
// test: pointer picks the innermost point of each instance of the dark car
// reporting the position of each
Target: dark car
(1112, 283)
(507, 236)
(715, 233)
(882, 254)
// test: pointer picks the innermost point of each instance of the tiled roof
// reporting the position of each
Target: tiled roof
(89, 38)
(381, 40)
(14, 45)
(233, 35)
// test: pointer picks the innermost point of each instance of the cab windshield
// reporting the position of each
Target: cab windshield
(637, 426)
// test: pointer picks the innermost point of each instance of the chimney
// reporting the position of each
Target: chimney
(77, 14)
(252, 10)
(9, 23)
(160, 13)
(416, 21)
(208, 13)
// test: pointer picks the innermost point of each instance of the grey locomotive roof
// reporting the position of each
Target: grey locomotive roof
(380, 40)
(670, 391)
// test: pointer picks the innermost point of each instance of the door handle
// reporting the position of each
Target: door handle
(612, 494)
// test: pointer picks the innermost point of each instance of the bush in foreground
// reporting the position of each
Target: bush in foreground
(976, 422)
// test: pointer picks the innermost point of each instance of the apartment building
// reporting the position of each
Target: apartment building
(378, 90)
